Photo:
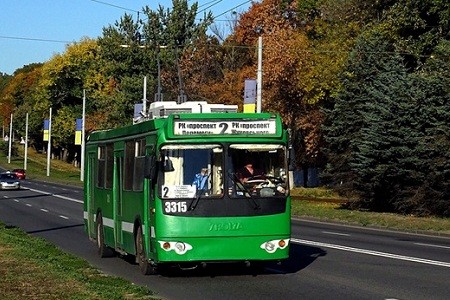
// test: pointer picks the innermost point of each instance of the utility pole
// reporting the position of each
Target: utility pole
(83, 121)
(181, 96)
(159, 95)
(10, 139)
(144, 100)
(26, 144)
(49, 146)
(259, 77)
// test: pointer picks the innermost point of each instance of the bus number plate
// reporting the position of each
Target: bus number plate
(175, 206)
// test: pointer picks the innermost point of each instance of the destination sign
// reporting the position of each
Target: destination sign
(231, 127)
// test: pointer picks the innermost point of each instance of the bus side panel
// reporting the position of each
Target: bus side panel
(133, 209)
(97, 201)
(104, 204)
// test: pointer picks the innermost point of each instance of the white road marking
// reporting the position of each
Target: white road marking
(16, 200)
(431, 245)
(374, 253)
(54, 195)
(64, 217)
(44, 210)
(336, 233)
(29, 205)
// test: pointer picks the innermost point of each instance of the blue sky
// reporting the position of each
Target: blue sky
(33, 31)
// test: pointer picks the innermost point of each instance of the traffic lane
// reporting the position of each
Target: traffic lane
(361, 276)
(56, 203)
(51, 188)
(393, 242)
(235, 281)
(313, 273)
(56, 220)
(25, 211)
(64, 230)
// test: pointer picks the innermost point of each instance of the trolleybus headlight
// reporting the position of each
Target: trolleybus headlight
(273, 245)
(180, 247)
(270, 247)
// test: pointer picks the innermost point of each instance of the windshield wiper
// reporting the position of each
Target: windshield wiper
(242, 187)
(200, 192)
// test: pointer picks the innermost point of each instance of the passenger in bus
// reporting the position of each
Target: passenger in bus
(249, 171)
(200, 179)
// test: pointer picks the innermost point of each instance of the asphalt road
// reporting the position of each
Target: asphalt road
(327, 261)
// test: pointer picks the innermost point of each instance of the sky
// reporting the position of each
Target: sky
(32, 31)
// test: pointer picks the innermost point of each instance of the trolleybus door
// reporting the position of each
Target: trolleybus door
(90, 195)
(118, 181)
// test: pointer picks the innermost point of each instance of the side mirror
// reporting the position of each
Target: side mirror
(150, 167)
(168, 165)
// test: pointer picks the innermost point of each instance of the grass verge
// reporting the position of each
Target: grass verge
(60, 171)
(32, 268)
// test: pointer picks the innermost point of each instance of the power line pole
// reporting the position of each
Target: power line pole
(83, 121)
(10, 139)
(259, 77)
(181, 97)
(26, 144)
(49, 146)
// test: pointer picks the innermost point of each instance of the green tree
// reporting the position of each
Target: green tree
(417, 26)
(17, 98)
(61, 85)
(176, 30)
(432, 88)
(372, 134)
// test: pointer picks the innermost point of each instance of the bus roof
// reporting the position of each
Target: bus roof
(192, 125)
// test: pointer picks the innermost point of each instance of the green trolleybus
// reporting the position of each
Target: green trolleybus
(169, 190)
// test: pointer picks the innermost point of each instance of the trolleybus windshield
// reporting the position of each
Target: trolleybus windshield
(215, 170)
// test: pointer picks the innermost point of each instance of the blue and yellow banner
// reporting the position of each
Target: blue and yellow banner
(250, 96)
(46, 130)
(78, 130)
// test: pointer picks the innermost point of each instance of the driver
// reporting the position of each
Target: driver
(248, 171)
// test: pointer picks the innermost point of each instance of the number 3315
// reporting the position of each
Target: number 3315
(175, 206)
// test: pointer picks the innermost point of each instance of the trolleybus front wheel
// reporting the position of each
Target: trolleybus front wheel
(102, 249)
(146, 267)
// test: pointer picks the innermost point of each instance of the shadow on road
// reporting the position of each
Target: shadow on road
(54, 228)
(300, 257)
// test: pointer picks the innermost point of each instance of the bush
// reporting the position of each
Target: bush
(4, 148)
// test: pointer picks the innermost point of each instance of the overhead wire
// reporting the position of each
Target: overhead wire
(34, 39)
(232, 9)
(116, 6)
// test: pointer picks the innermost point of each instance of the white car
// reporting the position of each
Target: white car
(9, 181)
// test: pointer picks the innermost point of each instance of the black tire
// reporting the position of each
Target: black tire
(145, 266)
(102, 249)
